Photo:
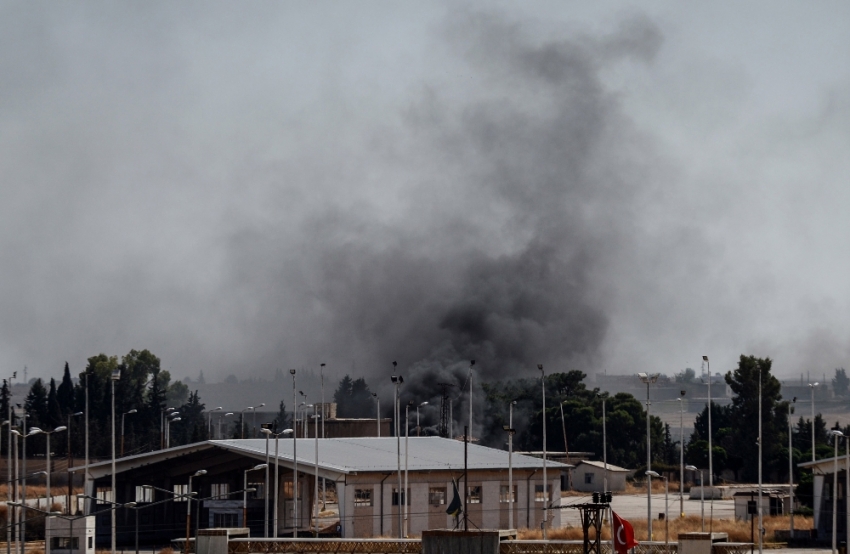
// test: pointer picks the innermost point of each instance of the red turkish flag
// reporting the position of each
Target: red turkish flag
(624, 535)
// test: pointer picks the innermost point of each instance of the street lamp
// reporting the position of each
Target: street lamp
(650, 473)
(304, 420)
(701, 494)
(276, 486)
(220, 417)
(116, 375)
(322, 383)
(198, 473)
(418, 428)
(245, 492)
(254, 419)
(70, 462)
(378, 413)
(133, 411)
(209, 421)
(174, 417)
(266, 432)
(511, 432)
(48, 433)
(469, 378)
(648, 380)
(24, 436)
(397, 381)
(812, 386)
(294, 456)
(163, 413)
(604, 397)
(836, 434)
(791, 467)
(406, 457)
(316, 417)
(242, 422)
(710, 450)
(760, 442)
(545, 481)
(681, 400)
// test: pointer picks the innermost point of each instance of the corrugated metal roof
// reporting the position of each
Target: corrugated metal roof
(350, 455)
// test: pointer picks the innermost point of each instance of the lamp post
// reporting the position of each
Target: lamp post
(304, 420)
(418, 428)
(276, 486)
(176, 417)
(70, 463)
(163, 413)
(812, 387)
(49, 471)
(198, 473)
(378, 412)
(511, 432)
(10, 423)
(220, 417)
(710, 451)
(267, 433)
(701, 494)
(604, 446)
(133, 411)
(564, 430)
(316, 417)
(406, 442)
(245, 493)
(116, 375)
(761, 519)
(666, 515)
(397, 380)
(836, 434)
(242, 421)
(469, 378)
(322, 384)
(648, 380)
(254, 419)
(681, 400)
(791, 468)
(545, 480)
(294, 456)
(209, 421)
(24, 436)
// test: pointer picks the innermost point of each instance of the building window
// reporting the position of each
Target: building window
(144, 494)
(362, 498)
(225, 519)
(104, 495)
(406, 497)
(64, 543)
(180, 492)
(437, 496)
(505, 495)
(473, 495)
(538, 493)
(219, 490)
(588, 478)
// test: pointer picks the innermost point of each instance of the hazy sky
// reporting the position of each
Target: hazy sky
(242, 187)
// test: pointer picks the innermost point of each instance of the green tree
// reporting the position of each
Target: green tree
(687, 376)
(65, 392)
(282, 420)
(353, 398)
(744, 415)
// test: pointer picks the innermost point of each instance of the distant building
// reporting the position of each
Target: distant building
(589, 476)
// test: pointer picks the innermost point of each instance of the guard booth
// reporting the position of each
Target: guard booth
(773, 503)
(69, 535)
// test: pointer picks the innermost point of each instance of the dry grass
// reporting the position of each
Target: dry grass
(166, 550)
(39, 491)
(738, 531)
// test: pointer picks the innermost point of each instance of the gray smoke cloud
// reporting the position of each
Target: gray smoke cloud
(243, 190)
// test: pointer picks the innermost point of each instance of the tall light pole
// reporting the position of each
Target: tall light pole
(650, 473)
(812, 386)
(316, 417)
(276, 485)
(471, 364)
(9, 461)
(836, 434)
(648, 380)
(116, 375)
(511, 432)
(70, 463)
(710, 451)
(397, 381)
(174, 417)
(242, 422)
(209, 421)
(294, 456)
(378, 413)
(761, 440)
(564, 430)
(25, 435)
(681, 400)
(49, 470)
(86, 504)
(322, 383)
(198, 473)
(304, 421)
(245, 493)
(133, 411)
(418, 428)
(701, 493)
(267, 433)
(220, 418)
(406, 442)
(545, 479)
(791, 468)
(604, 446)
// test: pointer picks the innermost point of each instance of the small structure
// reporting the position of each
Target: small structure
(823, 471)
(773, 503)
(590, 476)
(69, 535)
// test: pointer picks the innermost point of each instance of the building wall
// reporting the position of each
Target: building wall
(616, 480)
